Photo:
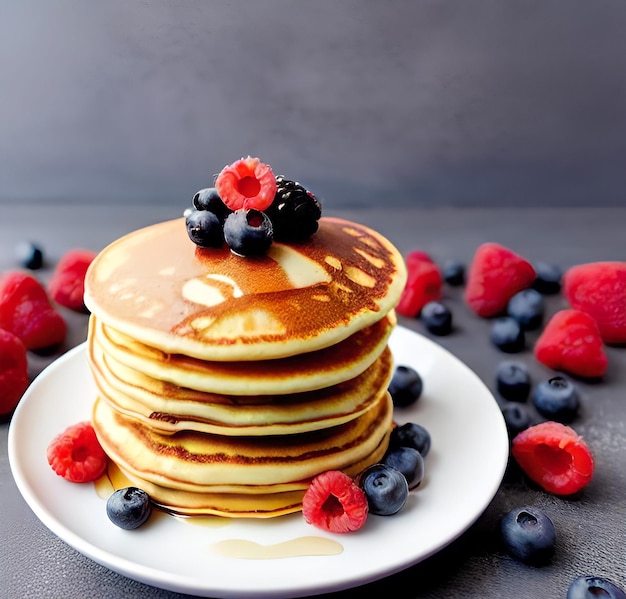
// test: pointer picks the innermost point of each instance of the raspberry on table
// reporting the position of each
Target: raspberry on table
(13, 371)
(599, 288)
(246, 183)
(554, 456)
(26, 311)
(334, 502)
(495, 275)
(76, 454)
(67, 284)
(571, 342)
(424, 283)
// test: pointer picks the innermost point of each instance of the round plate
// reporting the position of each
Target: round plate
(466, 428)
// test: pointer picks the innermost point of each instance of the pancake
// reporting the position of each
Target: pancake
(155, 286)
(195, 467)
(169, 408)
(227, 383)
(294, 374)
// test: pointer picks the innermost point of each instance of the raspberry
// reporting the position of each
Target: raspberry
(246, 183)
(495, 275)
(599, 288)
(26, 311)
(554, 456)
(13, 371)
(423, 285)
(76, 454)
(571, 342)
(67, 284)
(334, 502)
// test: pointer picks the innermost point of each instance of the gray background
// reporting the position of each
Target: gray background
(432, 103)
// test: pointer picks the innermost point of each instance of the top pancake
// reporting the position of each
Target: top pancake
(158, 287)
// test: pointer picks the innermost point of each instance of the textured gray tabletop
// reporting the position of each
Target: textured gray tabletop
(591, 530)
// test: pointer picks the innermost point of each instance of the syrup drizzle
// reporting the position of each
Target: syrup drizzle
(306, 546)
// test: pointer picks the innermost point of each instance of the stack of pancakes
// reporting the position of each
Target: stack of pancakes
(227, 383)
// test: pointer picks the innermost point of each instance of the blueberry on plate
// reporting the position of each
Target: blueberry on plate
(407, 460)
(453, 272)
(437, 318)
(528, 535)
(248, 232)
(594, 587)
(29, 255)
(129, 508)
(405, 387)
(557, 399)
(204, 229)
(513, 380)
(548, 278)
(507, 335)
(516, 418)
(412, 435)
(385, 488)
(528, 308)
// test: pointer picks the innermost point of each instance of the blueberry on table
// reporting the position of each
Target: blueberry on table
(407, 460)
(528, 535)
(204, 229)
(405, 387)
(412, 435)
(437, 318)
(507, 335)
(29, 255)
(453, 272)
(594, 587)
(386, 489)
(129, 508)
(513, 380)
(548, 278)
(248, 232)
(516, 418)
(557, 399)
(528, 308)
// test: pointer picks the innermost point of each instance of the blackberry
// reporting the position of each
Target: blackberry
(294, 212)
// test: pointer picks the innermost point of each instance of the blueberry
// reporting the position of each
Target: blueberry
(29, 255)
(405, 387)
(594, 587)
(556, 399)
(407, 460)
(437, 318)
(548, 278)
(507, 335)
(527, 307)
(528, 535)
(209, 199)
(248, 232)
(412, 435)
(453, 272)
(513, 380)
(516, 418)
(129, 508)
(204, 229)
(386, 489)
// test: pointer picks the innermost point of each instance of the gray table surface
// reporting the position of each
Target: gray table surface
(591, 529)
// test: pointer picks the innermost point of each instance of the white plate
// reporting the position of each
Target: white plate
(467, 459)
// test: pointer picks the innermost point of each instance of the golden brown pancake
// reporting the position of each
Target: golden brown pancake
(189, 465)
(294, 374)
(170, 408)
(157, 287)
(226, 383)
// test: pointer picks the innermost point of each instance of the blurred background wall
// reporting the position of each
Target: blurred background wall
(430, 102)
